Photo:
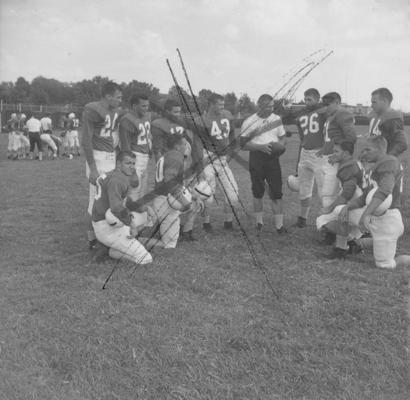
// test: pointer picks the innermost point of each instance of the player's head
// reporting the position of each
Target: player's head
(265, 105)
(23, 117)
(176, 142)
(216, 103)
(126, 162)
(140, 104)
(375, 146)
(381, 100)
(173, 107)
(13, 116)
(111, 92)
(71, 116)
(342, 151)
(332, 101)
(311, 97)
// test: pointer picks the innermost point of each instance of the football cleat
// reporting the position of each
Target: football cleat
(337, 254)
(92, 244)
(327, 237)
(228, 225)
(354, 247)
(301, 222)
(207, 227)
(282, 230)
(259, 226)
(101, 253)
(188, 236)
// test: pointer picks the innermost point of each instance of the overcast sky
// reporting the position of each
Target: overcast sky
(243, 46)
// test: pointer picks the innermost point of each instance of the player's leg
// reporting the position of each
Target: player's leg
(15, 145)
(273, 175)
(187, 221)
(25, 143)
(76, 142)
(32, 140)
(385, 231)
(331, 185)
(141, 169)
(228, 181)
(306, 182)
(46, 138)
(209, 175)
(257, 174)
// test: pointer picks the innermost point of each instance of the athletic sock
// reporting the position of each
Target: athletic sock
(228, 217)
(278, 218)
(259, 217)
(207, 219)
(341, 242)
(304, 212)
(91, 236)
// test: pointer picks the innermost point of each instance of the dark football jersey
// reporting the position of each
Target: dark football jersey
(12, 125)
(169, 172)
(112, 189)
(350, 175)
(135, 133)
(101, 124)
(161, 129)
(218, 132)
(310, 123)
(338, 127)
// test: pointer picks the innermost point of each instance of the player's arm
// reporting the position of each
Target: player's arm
(115, 191)
(348, 190)
(125, 131)
(398, 137)
(87, 144)
(233, 142)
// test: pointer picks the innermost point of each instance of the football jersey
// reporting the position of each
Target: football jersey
(135, 133)
(161, 128)
(112, 189)
(310, 123)
(101, 123)
(337, 128)
(387, 173)
(390, 125)
(12, 125)
(217, 133)
(71, 124)
(350, 175)
(46, 124)
(169, 172)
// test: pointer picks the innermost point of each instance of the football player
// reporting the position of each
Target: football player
(99, 140)
(339, 126)
(14, 139)
(263, 135)
(46, 132)
(385, 227)
(171, 197)
(387, 122)
(112, 190)
(350, 176)
(23, 133)
(135, 136)
(71, 127)
(217, 133)
(309, 121)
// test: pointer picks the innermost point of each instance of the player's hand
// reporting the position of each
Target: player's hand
(265, 148)
(319, 153)
(364, 223)
(133, 232)
(332, 159)
(344, 215)
(286, 104)
(151, 213)
(93, 176)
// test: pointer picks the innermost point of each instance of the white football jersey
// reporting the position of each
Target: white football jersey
(268, 129)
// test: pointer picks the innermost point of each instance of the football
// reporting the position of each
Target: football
(383, 207)
(138, 220)
(277, 148)
(203, 190)
(293, 183)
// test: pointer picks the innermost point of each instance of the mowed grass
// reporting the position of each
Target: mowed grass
(201, 321)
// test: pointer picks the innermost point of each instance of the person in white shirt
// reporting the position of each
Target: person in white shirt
(34, 129)
(263, 135)
(46, 131)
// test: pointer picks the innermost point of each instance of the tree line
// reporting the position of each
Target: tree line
(46, 91)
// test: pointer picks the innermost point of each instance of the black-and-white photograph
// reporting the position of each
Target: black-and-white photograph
(204, 200)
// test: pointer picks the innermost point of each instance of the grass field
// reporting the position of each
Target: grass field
(200, 322)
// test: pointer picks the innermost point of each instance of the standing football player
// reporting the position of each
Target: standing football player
(99, 140)
(218, 140)
(309, 121)
(339, 126)
(14, 139)
(263, 135)
(112, 191)
(135, 136)
(34, 130)
(23, 133)
(46, 132)
(72, 125)
(387, 122)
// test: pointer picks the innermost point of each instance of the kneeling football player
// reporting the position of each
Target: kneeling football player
(381, 214)
(112, 191)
